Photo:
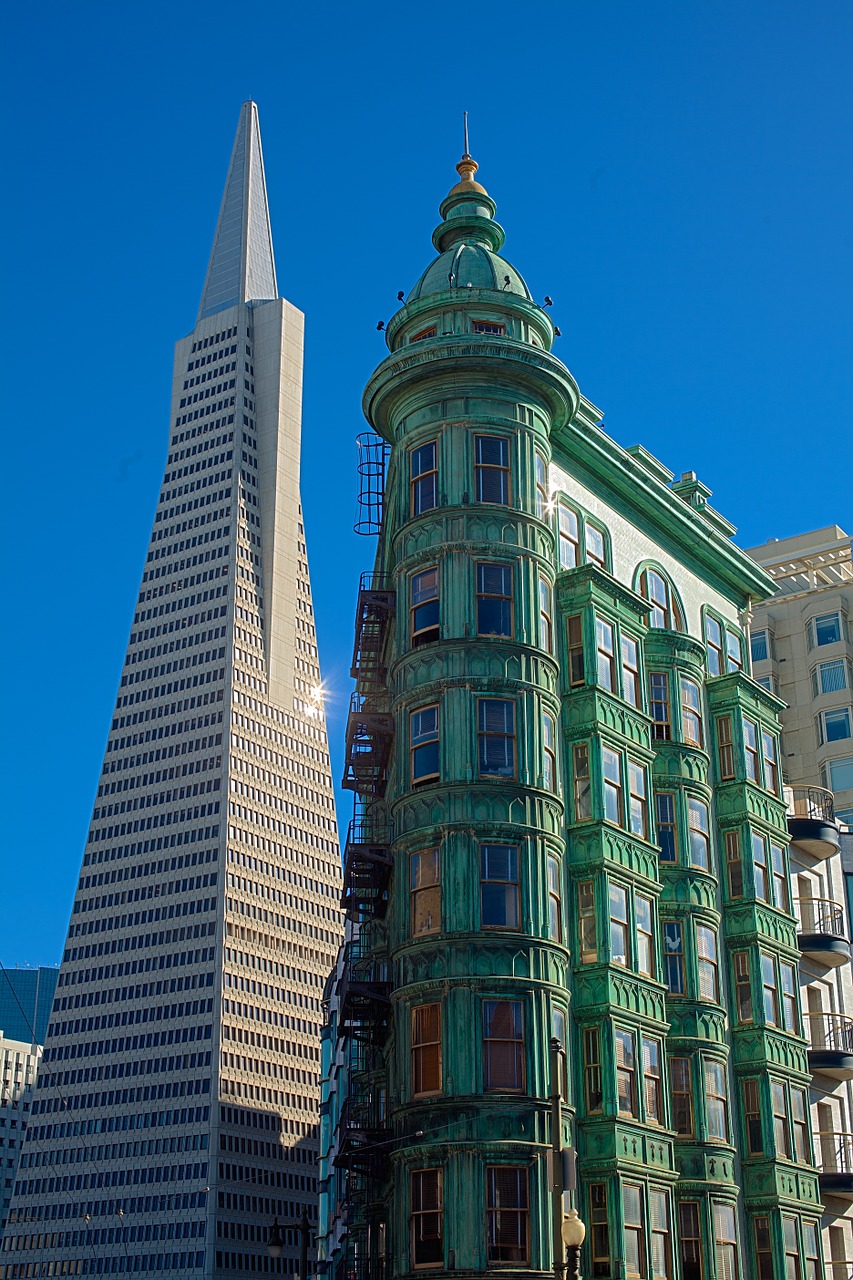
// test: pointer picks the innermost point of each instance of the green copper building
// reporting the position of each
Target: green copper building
(567, 878)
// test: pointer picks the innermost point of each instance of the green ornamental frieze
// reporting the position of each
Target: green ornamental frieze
(709, 1168)
(692, 1020)
(757, 1048)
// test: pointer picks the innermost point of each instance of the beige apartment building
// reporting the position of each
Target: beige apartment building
(801, 650)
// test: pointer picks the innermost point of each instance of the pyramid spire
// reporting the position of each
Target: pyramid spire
(242, 266)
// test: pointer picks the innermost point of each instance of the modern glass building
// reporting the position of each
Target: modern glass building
(176, 1110)
(571, 982)
(26, 997)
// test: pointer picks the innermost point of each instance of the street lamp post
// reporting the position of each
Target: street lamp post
(275, 1243)
(275, 1240)
(573, 1233)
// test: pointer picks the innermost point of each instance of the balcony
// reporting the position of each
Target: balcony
(811, 821)
(374, 613)
(822, 931)
(369, 737)
(830, 1045)
(367, 870)
(835, 1164)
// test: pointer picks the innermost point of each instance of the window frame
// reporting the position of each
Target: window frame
(613, 788)
(487, 736)
(482, 595)
(814, 641)
(730, 1243)
(638, 799)
(549, 751)
(489, 879)
(568, 514)
(416, 479)
(770, 760)
(725, 748)
(669, 607)
(575, 652)
(663, 823)
(742, 981)
(493, 1211)
(654, 1106)
(718, 1070)
(823, 684)
(541, 476)
(516, 1041)
(593, 1070)
(770, 1002)
(416, 1214)
(683, 1093)
(729, 638)
(605, 657)
(555, 898)
(546, 614)
(753, 1115)
(707, 964)
(645, 937)
(630, 672)
(675, 961)
(420, 1046)
(428, 634)
(635, 1231)
(416, 779)
(734, 863)
(586, 913)
(582, 782)
(418, 890)
(503, 471)
(690, 1241)
(821, 725)
(692, 720)
(626, 1072)
(599, 1229)
(701, 832)
(661, 726)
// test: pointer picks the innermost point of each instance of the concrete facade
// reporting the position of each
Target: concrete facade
(800, 641)
(176, 1111)
(19, 1061)
(803, 650)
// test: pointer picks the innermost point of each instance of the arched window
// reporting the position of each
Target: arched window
(666, 611)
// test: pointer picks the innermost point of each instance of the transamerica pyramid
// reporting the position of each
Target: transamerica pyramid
(176, 1111)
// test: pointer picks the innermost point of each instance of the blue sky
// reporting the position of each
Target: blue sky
(677, 176)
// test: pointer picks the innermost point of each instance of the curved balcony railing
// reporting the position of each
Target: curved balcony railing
(820, 915)
(810, 802)
(832, 1031)
(834, 1151)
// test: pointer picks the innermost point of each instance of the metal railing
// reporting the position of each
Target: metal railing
(820, 915)
(834, 1152)
(833, 1031)
(810, 802)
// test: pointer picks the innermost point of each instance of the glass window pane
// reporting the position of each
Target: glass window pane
(758, 646)
(827, 628)
(832, 676)
(841, 775)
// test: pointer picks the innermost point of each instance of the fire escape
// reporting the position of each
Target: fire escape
(364, 1010)
(364, 1135)
(370, 727)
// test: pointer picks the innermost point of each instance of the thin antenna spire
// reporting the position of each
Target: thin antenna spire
(466, 152)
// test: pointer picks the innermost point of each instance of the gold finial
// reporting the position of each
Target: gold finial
(467, 167)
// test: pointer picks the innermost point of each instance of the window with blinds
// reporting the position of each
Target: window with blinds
(507, 1215)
